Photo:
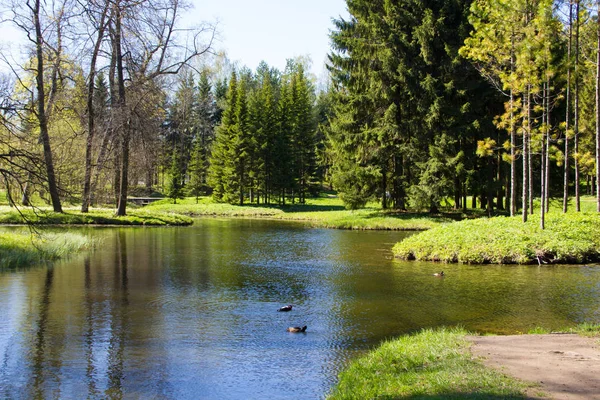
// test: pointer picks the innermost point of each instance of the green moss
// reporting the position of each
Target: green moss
(429, 364)
(568, 238)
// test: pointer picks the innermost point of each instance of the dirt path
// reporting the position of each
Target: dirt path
(566, 366)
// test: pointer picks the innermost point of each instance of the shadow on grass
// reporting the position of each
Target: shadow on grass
(292, 208)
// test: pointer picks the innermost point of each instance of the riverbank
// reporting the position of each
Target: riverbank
(98, 216)
(24, 249)
(429, 364)
(572, 238)
(450, 363)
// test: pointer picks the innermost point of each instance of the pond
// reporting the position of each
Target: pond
(187, 313)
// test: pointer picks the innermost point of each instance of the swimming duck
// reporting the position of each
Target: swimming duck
(296, 329)
(439, 274)
(286, 308)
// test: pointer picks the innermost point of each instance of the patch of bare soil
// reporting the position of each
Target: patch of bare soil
(566, 366)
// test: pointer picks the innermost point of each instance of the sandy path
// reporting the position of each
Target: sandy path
(566, 366)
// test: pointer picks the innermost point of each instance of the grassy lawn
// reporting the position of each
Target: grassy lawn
(324, 211)
(427, 365)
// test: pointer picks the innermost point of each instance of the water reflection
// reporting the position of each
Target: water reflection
(191, 312)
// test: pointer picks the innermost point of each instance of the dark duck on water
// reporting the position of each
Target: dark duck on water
(296, 329)
(286, 308)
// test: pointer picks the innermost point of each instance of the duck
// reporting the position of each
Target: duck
(439, 274)
(296, 329)
(286, 308)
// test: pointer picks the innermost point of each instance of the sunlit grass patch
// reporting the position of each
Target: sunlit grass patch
(568, 238)
(23, 249)
(429, 364)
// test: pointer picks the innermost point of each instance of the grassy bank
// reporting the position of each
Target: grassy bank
(584, 329)
(568, 238)
(430, 364)
(23, 249)
(324, 212)
(10, 215)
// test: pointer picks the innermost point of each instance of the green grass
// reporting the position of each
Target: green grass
(24, 249)
(430, 364)
(584, 329)
(568, 238)
(324, 212)
(44, 216)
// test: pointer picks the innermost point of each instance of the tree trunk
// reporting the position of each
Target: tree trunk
(529, 155)
(525, 168)
(86, 198)
(546, 203)
(543, 160)
(598, 112)
(41, 112)
(576, 111)
(500, 191)
(513, 155)
(123, 118)
(567, 106)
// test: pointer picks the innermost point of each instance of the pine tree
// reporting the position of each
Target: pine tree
(175, 183)
(400, 88)
(237, 164)
(303, 140)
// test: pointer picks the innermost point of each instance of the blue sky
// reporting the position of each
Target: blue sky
(271, 30)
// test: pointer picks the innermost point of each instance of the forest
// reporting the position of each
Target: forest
(428, 104)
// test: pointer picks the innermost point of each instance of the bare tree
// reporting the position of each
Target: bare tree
(100, 27)
(147, 45)
(42, 25)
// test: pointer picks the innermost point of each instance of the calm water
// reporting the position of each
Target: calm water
(186, 313)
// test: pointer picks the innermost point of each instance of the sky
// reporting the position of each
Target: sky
(271, 30)
(250, 31)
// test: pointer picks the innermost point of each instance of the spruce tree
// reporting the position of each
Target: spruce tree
(175, 183)
(219, 172)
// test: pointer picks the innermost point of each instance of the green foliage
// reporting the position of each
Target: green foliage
(356, 184)
(265, 144)
(428, 364)
(175, 184)
(24, 249)
(406, 104)
(568, 238)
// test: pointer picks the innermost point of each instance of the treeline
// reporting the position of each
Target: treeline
(115, 99)
(254, 141)
(430, 103)
(81, 112)
(439, 100)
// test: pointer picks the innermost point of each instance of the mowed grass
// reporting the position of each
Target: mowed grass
(24, 249)
(432, 364)
(568, 238)
(323, 212)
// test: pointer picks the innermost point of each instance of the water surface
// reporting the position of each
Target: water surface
(185, 313)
